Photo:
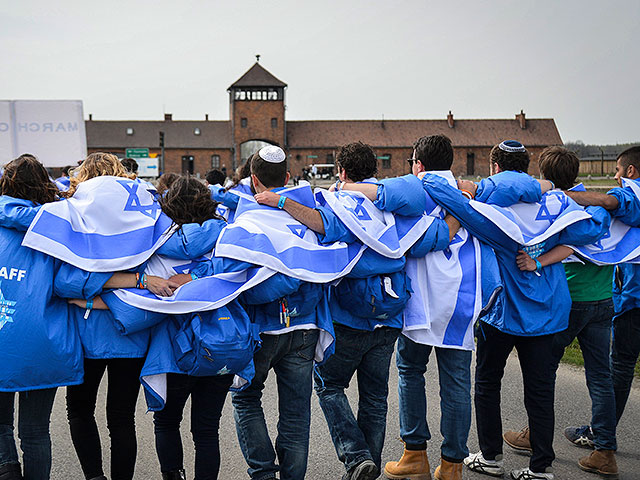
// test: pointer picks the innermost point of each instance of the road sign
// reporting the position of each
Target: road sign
(136, 153)
(312, 156)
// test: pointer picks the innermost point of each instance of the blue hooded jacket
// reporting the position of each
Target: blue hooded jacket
(39, 343)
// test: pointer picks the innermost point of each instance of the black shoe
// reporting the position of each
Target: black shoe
(101, 477)
(174, 475)
(365, 470)
(10, 471)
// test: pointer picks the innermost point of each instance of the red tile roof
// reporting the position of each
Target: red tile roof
(258, 76)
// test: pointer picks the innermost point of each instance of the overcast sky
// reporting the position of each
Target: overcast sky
(575, 61)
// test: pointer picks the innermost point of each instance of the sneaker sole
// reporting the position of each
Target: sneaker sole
(612, 476)
(586, 444)
(366, 472)
(416, 476)
(518, 448)
(482, 471)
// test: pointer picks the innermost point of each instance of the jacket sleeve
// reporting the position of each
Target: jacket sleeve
(401, 195)
(506, 188)
(72, 282)
(334, 229)
(587, 231)
(435, 238)
(275, 287)
(628, 210)
(193, 240)
(16, 213)
(220, 195)
(457, 205)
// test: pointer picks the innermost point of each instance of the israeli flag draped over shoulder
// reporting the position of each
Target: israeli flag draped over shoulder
(447, 296)
(385, 233)
(621, 244)
(109, 224)
(532, 223)
(271, 237)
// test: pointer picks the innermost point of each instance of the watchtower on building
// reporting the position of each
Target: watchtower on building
(256, 111)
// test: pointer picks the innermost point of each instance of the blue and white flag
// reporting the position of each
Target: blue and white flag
(447, 293)
(532, 223)
(206, 293)
(270, 237)
(109, 224)
(389, 235)
(621, 244)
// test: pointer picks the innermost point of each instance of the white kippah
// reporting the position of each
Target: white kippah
(272, 154)
(512, 146)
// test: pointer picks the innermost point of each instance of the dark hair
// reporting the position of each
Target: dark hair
(26, 178)
(434, 152)
(510, 161)
(358, 161)
(631, 156)
(188, 201)
(165, 181)
(271, 175)
(560, 166)
(130, 164)
(215, 177)
(65, 170)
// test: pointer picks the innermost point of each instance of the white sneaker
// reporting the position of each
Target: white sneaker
(477, 463)
(527, 474)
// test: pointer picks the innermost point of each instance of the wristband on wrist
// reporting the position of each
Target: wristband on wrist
(281, 201)
(538, 265)
(137, 280)
(553, 185)
(467, 194)
(144, 280)
(193, 276)
(89, 307)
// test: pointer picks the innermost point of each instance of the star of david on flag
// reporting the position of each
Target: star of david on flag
(134, 204)
(6, 310)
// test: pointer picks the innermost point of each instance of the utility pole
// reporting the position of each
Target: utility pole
(161, 152)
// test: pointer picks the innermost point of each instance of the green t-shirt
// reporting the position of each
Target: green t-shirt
(589, 282)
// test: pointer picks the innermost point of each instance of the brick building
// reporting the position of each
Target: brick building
(257, 115)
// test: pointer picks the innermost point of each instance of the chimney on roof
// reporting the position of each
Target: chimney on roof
(521, 118)
(450, 119)
(206, 117)
(168, 117)
(90, 116)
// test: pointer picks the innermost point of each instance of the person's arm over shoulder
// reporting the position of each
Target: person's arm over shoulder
(17, 213)
(437, 237)
(72, 282)
(193, 240)
(334, 229)
(627, 209)
(506, 188)
(402, 195)
(587, 231)
(273, 288)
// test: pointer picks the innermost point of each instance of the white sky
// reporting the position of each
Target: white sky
(576, 61)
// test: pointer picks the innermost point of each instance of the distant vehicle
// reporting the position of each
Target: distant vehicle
(322, 170)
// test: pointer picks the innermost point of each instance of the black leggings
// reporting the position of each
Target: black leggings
(122, 395)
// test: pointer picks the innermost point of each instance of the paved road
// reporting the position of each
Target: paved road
(572, 405)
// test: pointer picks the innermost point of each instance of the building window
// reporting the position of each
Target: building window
(274, 123)
(187, 164)
(196, 131)
(329, 157)
(471, 163)
(386, 160)
(215, 161)
(243, 122)
(258, 94)
(129, 131)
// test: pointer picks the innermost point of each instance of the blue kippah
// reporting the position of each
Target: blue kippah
(512, 146)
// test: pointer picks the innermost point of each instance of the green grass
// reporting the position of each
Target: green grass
(573, 356)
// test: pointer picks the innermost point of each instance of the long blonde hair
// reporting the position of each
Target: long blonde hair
(95, 165)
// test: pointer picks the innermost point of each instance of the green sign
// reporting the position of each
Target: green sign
(312, 156)
(384, 157)
(136, 153)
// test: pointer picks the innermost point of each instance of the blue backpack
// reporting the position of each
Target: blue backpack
(378, 297)
(215, 342)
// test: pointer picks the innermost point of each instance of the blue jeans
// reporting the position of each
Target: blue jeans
(33, 430)
(624, 355)
(291, 357)
(367, 354)
(590, 322)
(454, 370)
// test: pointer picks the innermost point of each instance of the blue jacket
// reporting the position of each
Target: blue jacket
(401, 196)
(39, 342)
(626, 278)
(530, 305)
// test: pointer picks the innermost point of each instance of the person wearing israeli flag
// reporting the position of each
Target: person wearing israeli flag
(225, 195)
(367, 305)
(589, 321)
(530, 309)
(624, 204)
(295, 325)
(39, 345)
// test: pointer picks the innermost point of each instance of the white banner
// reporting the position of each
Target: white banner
(52, 130)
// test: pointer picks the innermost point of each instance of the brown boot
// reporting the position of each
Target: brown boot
(518, 440)
(602, 462)
(448, 471)
(414, 465)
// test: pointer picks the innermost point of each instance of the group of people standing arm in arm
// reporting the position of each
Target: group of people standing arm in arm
(449, 272)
